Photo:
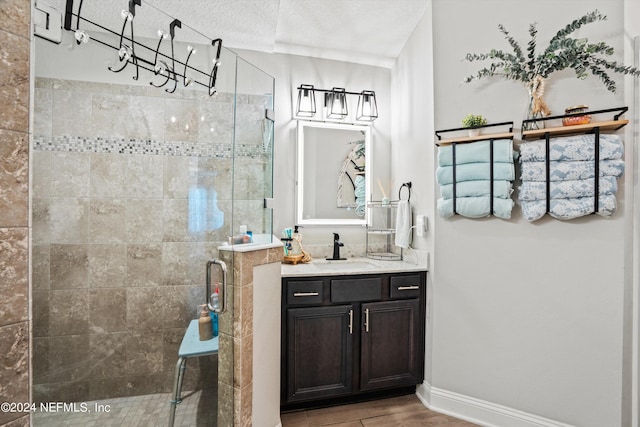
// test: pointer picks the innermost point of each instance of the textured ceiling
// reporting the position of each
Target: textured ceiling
(371, 32)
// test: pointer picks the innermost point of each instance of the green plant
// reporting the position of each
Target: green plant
(562, 52)
(473, 121)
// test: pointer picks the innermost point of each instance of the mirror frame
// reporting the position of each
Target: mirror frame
(305, 124)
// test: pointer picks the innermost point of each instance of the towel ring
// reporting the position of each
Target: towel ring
(408, 185)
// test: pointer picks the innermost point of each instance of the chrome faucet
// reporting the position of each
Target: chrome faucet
(336, 248)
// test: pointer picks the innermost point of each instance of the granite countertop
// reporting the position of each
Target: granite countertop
(350, 266)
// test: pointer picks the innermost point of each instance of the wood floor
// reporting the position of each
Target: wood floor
(404, 411)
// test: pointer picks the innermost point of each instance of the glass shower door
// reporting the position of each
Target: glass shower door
(135, 187)
(253, 151)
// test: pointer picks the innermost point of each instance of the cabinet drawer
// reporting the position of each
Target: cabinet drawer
(346, 290)
(406, 286)
(304, 292)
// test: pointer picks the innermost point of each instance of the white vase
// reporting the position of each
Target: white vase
(474, 132)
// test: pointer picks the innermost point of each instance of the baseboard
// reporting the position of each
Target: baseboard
(478, 411)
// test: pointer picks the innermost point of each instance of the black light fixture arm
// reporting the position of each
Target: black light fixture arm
(328, 90)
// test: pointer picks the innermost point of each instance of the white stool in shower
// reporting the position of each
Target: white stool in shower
(191, 346)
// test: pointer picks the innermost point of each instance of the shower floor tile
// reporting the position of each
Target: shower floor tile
(196, 409)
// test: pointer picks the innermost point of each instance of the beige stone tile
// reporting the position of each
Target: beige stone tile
(243, 366)
(144, 309)
(40, 312)
(40, 266)
(40, 217)
(110, 116)
(144, 352)
(43, 112)
(216, 121)
(180, 176)
(107, 310)
(14, 178)
(216, 174)
(65, 365)
(68, 391)
(146, 118)
(144, 223)
(14, 273)
(69, 266)
(71, 113)
(70, 174)
(69, 312)
(67, 219)
(108, 175)
(171, 339)
(181, 120)
(225, 404)
(106, 219)
(41, 176)
(226, 359)
(15, 17)
(175, 221)
(180, 304)
(144, 265)
(246, 325)
(144, 176)
(106, 388)
(40, 360)
(14, 375)
(14, 82)
(108, 355)
(107, 265)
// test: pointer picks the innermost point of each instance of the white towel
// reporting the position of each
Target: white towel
(403, 224)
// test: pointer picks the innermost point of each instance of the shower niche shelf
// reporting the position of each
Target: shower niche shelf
(381, 231)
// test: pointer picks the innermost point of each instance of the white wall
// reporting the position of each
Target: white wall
(631, 397)
(290, 71)
(525, 315)
(266, 345)
(412, 154)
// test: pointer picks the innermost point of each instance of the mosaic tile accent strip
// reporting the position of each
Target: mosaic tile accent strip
(147, 147)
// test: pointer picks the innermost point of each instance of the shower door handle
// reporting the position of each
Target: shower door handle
(223, 267)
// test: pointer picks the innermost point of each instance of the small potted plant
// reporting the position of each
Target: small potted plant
(473, 122)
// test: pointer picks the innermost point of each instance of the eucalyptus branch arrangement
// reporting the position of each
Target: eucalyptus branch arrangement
(531, 68)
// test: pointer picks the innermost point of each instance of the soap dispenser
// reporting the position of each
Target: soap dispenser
(204, 324)
(296, 247)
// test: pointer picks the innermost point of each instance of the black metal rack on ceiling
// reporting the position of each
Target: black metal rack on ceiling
(167, 67)
(595, 128)
(462, 140)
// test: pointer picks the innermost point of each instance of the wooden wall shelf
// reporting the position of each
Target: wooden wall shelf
(482, 137)
(572, 130)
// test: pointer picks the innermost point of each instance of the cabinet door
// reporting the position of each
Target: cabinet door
(319, 352)
(390, 352)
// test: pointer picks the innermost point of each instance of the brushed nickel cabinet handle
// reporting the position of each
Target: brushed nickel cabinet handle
(305, 294)
(350, 322)
(408, 288)
(366, 320)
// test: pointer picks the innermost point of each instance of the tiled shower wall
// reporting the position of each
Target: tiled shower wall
(14, 207)
(132, 194)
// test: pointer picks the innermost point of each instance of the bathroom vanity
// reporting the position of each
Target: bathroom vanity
(351, 331)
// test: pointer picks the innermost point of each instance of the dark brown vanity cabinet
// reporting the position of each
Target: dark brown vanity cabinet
(349, 336)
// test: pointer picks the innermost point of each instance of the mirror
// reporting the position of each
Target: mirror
(333, 160)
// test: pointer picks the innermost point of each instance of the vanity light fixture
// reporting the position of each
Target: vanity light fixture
(306, 101)
(367, 107)
(335, 103)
